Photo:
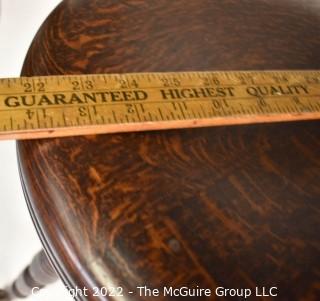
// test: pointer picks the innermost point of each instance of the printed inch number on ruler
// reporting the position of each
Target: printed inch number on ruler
(54, 106)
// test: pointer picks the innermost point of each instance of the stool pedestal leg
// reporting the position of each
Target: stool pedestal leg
(34, 277)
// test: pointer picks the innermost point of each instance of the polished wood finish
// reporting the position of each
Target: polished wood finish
(230, 206)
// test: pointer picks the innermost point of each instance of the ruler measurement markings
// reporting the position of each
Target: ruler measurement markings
(64, 119)
(279, 108)
(299, 109)
(259, 109)
(51, 121)
(245, 103)
(225, 113)
(242, 109)
(267, 108)
(181, 110)
(142, 107)
(161, 115)
(33, 85)
(213, 113)
(193, 113)
(234, 111)
(114, 116)
(81, 84)
(286, 109)
(233, 83)
(276, 108)
(38, 119)
(137, 112)
(185, 105)
(199, 114)
(251, 108)
(317, 105)
(89, 114)
(203, 111)
(290, 108)
(311, 106)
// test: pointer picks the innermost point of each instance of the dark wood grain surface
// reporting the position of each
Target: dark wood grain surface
(233, 207)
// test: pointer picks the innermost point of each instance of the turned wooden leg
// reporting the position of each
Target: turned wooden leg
(34, 277)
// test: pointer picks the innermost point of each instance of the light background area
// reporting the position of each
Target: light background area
(19, 21)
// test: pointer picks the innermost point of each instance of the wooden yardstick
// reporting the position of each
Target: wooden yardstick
(56, 106)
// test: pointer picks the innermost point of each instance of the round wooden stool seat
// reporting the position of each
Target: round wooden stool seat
(232, 207)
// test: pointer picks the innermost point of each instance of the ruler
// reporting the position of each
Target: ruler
(56, 106)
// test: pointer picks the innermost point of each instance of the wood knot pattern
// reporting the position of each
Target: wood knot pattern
(229, 206)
